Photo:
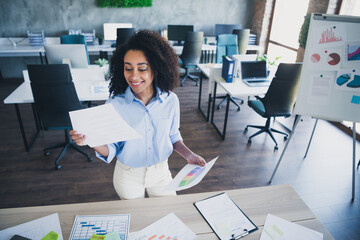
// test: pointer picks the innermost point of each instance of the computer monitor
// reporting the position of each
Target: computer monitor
(178, 33)
(110, 30)
(226, 28)
(75, 54)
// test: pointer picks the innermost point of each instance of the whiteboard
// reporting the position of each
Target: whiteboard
(330, 77)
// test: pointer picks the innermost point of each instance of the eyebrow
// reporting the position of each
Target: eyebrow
(139, 64)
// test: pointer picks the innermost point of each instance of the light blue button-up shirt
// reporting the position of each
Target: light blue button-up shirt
(158, 123)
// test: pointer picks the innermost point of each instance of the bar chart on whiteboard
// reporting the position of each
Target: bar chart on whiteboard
(85, 226)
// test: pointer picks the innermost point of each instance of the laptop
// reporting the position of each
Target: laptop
(254, 73)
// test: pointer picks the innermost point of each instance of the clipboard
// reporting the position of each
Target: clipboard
(224, 217)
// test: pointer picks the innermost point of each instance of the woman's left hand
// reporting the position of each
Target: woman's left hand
(196, 159)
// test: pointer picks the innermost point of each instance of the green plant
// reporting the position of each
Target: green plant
(304, 31)
(124, 3)
(265, 58)
(102, 62)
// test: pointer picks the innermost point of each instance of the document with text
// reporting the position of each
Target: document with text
(102, 125)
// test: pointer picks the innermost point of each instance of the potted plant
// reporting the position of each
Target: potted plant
(302, 38)
(101, 40)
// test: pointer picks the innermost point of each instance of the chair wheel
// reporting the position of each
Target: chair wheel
(249, 142)
(276, 148)
(57, 167)
(90, 159)
(46, 153)
(242, 101)
(246, 130)
(285, 138)
(218, 107)
(238, 109)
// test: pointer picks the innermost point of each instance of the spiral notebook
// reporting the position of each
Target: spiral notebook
(224, 217)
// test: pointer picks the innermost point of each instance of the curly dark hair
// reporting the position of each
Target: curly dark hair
(162, 59)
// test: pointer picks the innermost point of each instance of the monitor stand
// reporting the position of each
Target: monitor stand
(178, 43)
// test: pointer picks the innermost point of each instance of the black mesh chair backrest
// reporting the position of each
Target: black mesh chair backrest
(281, 95)
(53, 96)
(49, 74)
(191, 52)
(123, 34)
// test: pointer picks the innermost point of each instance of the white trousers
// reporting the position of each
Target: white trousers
(130, 183)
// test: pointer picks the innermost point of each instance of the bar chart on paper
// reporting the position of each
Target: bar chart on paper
(85, 226)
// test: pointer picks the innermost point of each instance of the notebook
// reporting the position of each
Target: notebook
(254, 73)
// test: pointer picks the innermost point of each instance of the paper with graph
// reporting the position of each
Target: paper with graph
(189, 176)
(169, 227)
(87, 225)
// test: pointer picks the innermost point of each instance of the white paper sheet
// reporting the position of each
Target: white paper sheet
(189, 176)
(36, 229)
(102, 125)
(168, 227)
(279, 229)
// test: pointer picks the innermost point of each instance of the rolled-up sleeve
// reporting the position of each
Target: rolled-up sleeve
(175, 134)
(111, 156)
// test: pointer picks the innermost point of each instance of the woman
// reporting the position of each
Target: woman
(144, 71)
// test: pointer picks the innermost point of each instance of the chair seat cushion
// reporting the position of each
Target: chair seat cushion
(258, 106)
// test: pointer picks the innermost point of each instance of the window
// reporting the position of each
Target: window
(286, 24)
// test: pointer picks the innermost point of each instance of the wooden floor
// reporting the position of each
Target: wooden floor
(323, 179)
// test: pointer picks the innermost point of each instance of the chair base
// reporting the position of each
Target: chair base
(266, 129)
(232, 99)
(68, 143)
(192, 77)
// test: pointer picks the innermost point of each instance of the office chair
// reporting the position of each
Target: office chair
(227, 45)
(122, 35)
(243, 39)
(54, 96)
(191, 54)
(75, 39)
(278, 100)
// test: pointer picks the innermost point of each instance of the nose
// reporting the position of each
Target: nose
(134, 75)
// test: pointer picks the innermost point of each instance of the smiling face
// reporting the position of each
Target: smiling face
(138, 75)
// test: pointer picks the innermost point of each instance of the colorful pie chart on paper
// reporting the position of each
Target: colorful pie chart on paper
(333, 59)
(191, 176)
(315, 58)
(343, 78)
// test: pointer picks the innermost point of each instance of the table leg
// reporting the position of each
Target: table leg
(222, 134)
(23, 135)
(199, 102)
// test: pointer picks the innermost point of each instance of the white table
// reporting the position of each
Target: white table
(235, 89)
(83, 80)
(256, 203)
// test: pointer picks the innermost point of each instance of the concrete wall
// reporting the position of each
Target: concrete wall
(55, 17)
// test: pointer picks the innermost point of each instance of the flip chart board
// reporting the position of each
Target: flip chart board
(330, 78)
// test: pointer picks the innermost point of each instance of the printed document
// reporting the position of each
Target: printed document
(36, 229)
(225, 217)
(168, 227)
(279, 229)
(102, 125)
(189, 176)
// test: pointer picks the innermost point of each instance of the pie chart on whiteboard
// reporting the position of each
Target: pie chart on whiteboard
(315, 58)
(333, 59)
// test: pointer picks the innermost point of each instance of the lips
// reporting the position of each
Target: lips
(136, 84)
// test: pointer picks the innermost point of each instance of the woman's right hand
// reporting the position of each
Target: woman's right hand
(78, 138)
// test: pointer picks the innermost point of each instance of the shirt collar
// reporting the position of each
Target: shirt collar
(129, 96)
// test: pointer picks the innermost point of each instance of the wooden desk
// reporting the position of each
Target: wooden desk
(83, 80)
(280, 200)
